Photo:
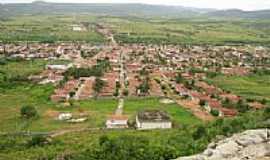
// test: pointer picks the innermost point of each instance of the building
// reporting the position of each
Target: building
(117, 121)
(153, 119)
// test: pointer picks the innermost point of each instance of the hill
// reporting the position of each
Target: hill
(236, 13)
(124, 9)
(101, 9)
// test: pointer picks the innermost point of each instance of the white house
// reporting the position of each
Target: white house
(153, 119)
(117, 121)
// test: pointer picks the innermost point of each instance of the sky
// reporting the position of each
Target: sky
(217, 4)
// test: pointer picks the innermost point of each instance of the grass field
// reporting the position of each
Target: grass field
(179, 115)
(254, 87)
(193, 31)
(136, 30)
(48, 29)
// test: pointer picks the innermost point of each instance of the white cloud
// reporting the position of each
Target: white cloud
(220, 4)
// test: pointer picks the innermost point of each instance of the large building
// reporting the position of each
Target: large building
(153, 119)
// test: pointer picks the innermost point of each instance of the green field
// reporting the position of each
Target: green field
(193, 31)
(136, 30)
(179, 115)
(48, 29)
(253, 87)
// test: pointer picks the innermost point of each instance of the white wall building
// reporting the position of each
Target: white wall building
(117, 121)
(153, 119)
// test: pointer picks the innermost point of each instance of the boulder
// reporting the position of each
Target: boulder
(249, 145)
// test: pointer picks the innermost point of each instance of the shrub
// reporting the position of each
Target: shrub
(28, 112)
(214, 112)
(199, 133)
(37, 141)
(266, 113)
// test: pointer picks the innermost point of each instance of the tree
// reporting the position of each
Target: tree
(72, 94)
(99, 84)
(179, 78)
(214, 112)
(144, 86)
(202, 102)
(28, 112)
(227, 103)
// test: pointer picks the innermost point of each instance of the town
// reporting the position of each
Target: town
(173, 73)
(136, 80)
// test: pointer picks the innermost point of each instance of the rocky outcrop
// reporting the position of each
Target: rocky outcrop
(249, 145)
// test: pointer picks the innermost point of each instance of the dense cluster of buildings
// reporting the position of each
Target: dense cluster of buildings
(146, 70)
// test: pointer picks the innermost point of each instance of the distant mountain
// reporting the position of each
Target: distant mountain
(236, 13)
(144, 10)
(41, 7)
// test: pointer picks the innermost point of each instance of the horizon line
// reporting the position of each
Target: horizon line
(172, 5)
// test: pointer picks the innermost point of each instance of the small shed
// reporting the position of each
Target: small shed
(117, 121)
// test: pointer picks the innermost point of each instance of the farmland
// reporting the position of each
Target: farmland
(188, 31)
(254, 87)
(135, 30)
(48, 29)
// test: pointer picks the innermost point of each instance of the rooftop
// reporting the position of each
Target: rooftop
(153, 116)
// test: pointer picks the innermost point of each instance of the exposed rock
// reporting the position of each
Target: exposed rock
(249, 145)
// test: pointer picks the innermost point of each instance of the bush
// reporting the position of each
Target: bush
(266, 113)
(28, 112)
(242, 107)
(37, 141)
(214, 112)
(199, 133)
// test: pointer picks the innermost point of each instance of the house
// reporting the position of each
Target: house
(231, 97)
(153, 119)
(256, 105)
(181, 90)
(223, 112)
(117, 121)
(59, 67)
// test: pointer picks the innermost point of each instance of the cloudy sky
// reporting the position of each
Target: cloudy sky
(219, 4)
